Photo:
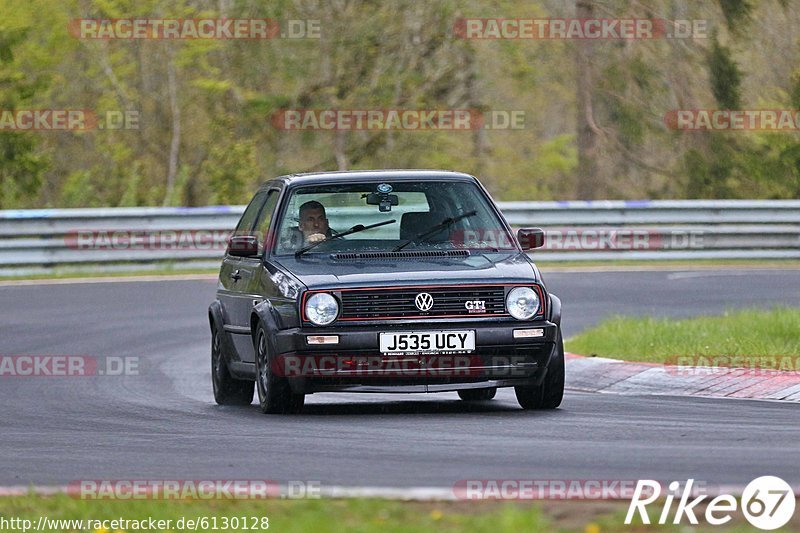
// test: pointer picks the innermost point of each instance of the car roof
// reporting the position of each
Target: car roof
(355, 176)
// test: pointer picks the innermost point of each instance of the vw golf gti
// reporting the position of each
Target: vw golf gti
(382, 281)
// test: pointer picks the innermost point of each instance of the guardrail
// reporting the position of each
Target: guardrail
(45, 239)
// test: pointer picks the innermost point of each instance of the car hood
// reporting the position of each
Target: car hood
(321, 272)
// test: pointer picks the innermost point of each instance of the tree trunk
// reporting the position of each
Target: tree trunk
(588, 185)
(176, 128)
(340, 149)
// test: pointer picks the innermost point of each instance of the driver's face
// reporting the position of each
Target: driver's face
(313, 221)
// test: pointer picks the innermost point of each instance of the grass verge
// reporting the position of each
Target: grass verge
(319, 515)
(357, 515)
(748, 332)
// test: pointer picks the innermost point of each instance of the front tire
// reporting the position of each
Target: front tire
(275, 396)
(550, 393)
(227, 389)
(477, 395)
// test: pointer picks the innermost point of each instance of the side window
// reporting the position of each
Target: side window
(264, 218)
(250, 213)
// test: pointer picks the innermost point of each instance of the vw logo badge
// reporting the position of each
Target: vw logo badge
(424, 301)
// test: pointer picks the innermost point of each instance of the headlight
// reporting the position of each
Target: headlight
(322, 309)
(522, 303)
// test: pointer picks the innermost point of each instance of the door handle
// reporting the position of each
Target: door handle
(235, 276)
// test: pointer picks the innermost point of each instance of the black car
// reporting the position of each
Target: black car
(382, 281)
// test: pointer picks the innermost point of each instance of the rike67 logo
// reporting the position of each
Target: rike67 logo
(767, 502)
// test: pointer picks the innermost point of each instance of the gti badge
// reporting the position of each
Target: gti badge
(424, 301)
(475, 306)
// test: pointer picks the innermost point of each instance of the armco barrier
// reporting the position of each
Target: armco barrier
(576, 231)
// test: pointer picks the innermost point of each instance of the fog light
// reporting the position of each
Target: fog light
(322, 339)
(528, 333)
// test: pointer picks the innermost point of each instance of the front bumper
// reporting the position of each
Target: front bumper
(355, 363)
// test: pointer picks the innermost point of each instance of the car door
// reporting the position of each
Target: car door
(250, 292)
(234, 280)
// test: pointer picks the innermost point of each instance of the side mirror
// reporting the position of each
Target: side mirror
(530, 238)
(243, 246)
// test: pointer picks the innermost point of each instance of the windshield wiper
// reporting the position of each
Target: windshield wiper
(446, 223)
(354, 229)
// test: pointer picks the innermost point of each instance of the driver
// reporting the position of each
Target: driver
(313, 222)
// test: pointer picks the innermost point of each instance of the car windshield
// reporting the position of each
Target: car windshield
(419, 215)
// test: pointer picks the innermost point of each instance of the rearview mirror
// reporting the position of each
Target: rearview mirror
(530, 238)
(374, 198)
(243, 246)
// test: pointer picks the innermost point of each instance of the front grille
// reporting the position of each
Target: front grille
(388, 303)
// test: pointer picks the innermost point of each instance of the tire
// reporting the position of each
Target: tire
(549, 394)
(227, 389)
(275, 396)
(477, 395)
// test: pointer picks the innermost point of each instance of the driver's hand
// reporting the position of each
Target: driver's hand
(315, 237)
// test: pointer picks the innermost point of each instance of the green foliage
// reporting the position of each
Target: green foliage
(794, 95)
(766, 165)
(548, 174)
(231, 172)
(377, 55)
(736, 12)
(21, 170)
(22, 162)
(724, 75)
(80, 190)
(709, 170)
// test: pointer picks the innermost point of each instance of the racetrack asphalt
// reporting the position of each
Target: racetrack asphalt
(163, 424)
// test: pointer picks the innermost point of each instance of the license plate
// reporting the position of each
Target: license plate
(427, 342)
